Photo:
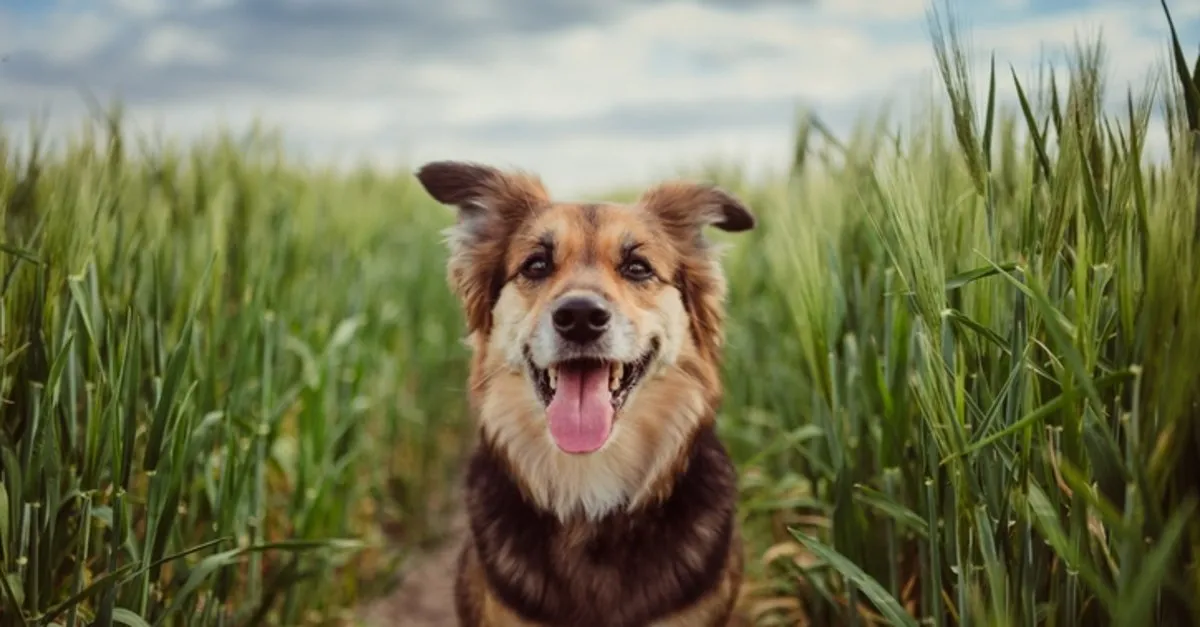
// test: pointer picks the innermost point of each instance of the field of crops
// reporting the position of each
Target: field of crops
(961, 383)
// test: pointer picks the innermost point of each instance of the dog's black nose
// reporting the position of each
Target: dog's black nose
(581, 319)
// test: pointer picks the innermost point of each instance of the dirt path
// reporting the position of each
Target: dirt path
(425, 596)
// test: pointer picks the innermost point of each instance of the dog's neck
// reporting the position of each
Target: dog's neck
(631, 474)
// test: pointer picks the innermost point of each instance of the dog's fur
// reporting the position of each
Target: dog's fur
(641, 531)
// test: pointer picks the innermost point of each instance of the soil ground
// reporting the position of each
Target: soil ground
(424, 597)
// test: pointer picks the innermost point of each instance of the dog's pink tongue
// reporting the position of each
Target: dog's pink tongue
(581, 412)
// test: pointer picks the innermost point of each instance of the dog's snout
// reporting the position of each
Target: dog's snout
(581, 319)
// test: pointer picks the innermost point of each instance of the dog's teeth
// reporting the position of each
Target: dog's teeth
(553, 376)
(615, 375)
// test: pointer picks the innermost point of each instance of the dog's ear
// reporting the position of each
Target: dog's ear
(686, 208)
(491, 206)
(481, 192)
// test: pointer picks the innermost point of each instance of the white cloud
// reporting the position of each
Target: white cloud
(877, 9)
(69, 38)
(588, 103)
(178, 44)
(653, 56)
(140, 8)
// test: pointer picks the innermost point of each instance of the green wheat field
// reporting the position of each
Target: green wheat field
(962, 383)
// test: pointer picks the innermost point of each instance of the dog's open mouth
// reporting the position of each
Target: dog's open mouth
(582, 397)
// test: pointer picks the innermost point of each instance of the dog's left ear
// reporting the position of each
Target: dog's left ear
(491, 206)
(686, 208)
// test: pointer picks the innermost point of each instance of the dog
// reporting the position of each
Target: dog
(598, 493)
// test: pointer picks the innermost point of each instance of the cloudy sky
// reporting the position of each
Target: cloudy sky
(589, 93)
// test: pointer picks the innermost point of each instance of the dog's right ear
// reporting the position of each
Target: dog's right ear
(491, 206)
(463, 185)
(481, 192)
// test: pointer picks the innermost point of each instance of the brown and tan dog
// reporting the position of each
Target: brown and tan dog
(599, 494)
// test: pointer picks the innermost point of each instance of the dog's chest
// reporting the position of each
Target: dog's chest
(603, 550)
(622, 569)
(629, 571)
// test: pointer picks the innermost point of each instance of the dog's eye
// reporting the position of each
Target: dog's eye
(636, 270)
(536, 267)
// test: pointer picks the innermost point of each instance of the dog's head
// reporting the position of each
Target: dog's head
(596, 327)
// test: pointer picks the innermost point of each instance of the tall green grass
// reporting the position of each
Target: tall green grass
(223, 376)
(982, 356)
(961, 383)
